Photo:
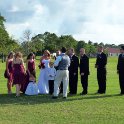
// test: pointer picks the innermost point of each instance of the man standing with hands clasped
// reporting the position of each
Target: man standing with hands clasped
(84, 71)
(101, 62)
(73, 72)
(62, 74)
(120, 69)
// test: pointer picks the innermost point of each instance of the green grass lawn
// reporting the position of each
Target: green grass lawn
(89, 109)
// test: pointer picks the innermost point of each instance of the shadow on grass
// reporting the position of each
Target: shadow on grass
(6, 99)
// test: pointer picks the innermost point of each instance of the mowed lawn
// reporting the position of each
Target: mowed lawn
(89, 109)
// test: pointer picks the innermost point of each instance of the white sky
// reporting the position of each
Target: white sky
(95, 20)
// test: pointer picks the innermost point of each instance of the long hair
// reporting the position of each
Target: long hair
(47, 51)
(31, 54)
(10, 54)
(18, 54)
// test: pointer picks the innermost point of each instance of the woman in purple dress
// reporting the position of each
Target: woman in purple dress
(9, 72)
(30, 68)
(18, 72)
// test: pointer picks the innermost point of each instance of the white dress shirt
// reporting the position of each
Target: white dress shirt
(51, 73)
(58, 59)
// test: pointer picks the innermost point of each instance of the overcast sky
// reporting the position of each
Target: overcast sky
(95, 20)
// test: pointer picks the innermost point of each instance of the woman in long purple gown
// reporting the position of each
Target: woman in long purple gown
(18, 72)
(9, 72)
(30, 67)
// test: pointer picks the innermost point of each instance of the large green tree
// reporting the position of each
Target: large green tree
(38, 44)
(80, 44)
(7, 43)
(50, 41)
(4, 36)
(68, 41)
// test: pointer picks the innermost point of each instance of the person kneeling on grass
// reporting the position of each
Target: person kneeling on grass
(32, 88)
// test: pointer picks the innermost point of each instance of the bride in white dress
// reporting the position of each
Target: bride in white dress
(43, 77)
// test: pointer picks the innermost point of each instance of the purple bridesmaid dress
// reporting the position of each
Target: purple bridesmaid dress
(18, 74)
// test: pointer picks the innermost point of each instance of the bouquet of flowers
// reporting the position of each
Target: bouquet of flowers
(42, 65)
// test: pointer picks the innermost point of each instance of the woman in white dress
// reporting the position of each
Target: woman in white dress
(43, 77)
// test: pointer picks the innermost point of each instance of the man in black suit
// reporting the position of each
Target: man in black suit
(73, 72)
(120, 69)
(84, 71)
(101, 62)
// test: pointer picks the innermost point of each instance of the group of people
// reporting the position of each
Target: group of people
(17, 74)
(55, 76)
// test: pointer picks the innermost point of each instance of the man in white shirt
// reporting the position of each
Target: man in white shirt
(62, 63)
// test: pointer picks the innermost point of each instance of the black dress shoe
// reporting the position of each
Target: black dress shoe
(96, 93)
(64, 97)
(121, 93)
(100, 93)
(71, 93)
(55, 97)
(83, 93)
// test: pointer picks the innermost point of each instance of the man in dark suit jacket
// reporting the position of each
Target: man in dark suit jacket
(73, 72)
(120, 69)
(101, 62)
(84, 71)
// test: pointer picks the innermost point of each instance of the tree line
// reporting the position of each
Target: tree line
(38, 43)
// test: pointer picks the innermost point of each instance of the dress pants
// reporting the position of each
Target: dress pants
(84, 82)
(51, 86)
(73, 81)
(121, 81)
(61, 75)
(101, 77)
